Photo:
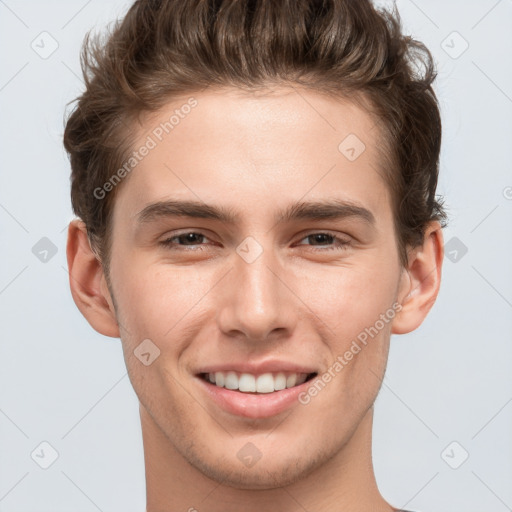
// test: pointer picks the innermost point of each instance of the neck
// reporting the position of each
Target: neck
(346, 482)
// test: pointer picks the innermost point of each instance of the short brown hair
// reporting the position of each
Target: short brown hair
(350, 49)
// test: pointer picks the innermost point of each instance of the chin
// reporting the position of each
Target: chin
(267, 473)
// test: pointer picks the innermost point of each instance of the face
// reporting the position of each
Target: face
(253, 246)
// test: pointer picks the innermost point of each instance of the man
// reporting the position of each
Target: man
(255, 186)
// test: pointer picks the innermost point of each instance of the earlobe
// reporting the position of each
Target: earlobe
(87, 282)
(420, 281)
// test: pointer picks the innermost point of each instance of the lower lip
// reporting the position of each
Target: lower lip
(248, 405)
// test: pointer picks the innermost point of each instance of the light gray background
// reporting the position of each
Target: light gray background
(451, 380)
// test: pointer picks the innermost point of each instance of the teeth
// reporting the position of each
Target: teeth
(279, 381)
(301, 379)
(218, 379)
(231, 381)
(291, 380)
(248, 383)
(265, 383)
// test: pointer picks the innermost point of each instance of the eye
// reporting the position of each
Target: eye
(327, 241)
(320, 241)
(187, 239)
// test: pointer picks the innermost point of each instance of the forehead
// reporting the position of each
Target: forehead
(256, 149)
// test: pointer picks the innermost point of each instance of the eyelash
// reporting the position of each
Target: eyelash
(341, 243)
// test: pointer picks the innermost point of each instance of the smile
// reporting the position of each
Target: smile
(255, 395)
(250, 383)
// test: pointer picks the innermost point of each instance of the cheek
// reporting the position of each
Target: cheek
(356, 303)
(153, 302)
(349, 299)
(157, 302)
(358, 306)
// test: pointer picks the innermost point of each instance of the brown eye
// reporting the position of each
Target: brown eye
(320, 238)
(188, 239)
(325, 240)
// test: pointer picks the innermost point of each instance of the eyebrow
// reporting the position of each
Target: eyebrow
(332, 209)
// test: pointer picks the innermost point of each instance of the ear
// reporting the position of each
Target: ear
(420, 281)
(87, 282)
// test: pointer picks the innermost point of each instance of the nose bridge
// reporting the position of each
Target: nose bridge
(256, 302)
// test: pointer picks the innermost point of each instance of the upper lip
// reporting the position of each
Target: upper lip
(257, 368)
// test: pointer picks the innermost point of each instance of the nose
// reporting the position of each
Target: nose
(256, 303)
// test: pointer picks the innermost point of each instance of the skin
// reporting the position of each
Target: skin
(302, 300)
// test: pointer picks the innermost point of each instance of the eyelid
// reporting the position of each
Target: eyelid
(339, 241)
(174, 234)
(339, 236)
(166, 241)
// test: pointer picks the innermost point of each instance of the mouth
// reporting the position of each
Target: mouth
(253, 395)
(256, 384)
